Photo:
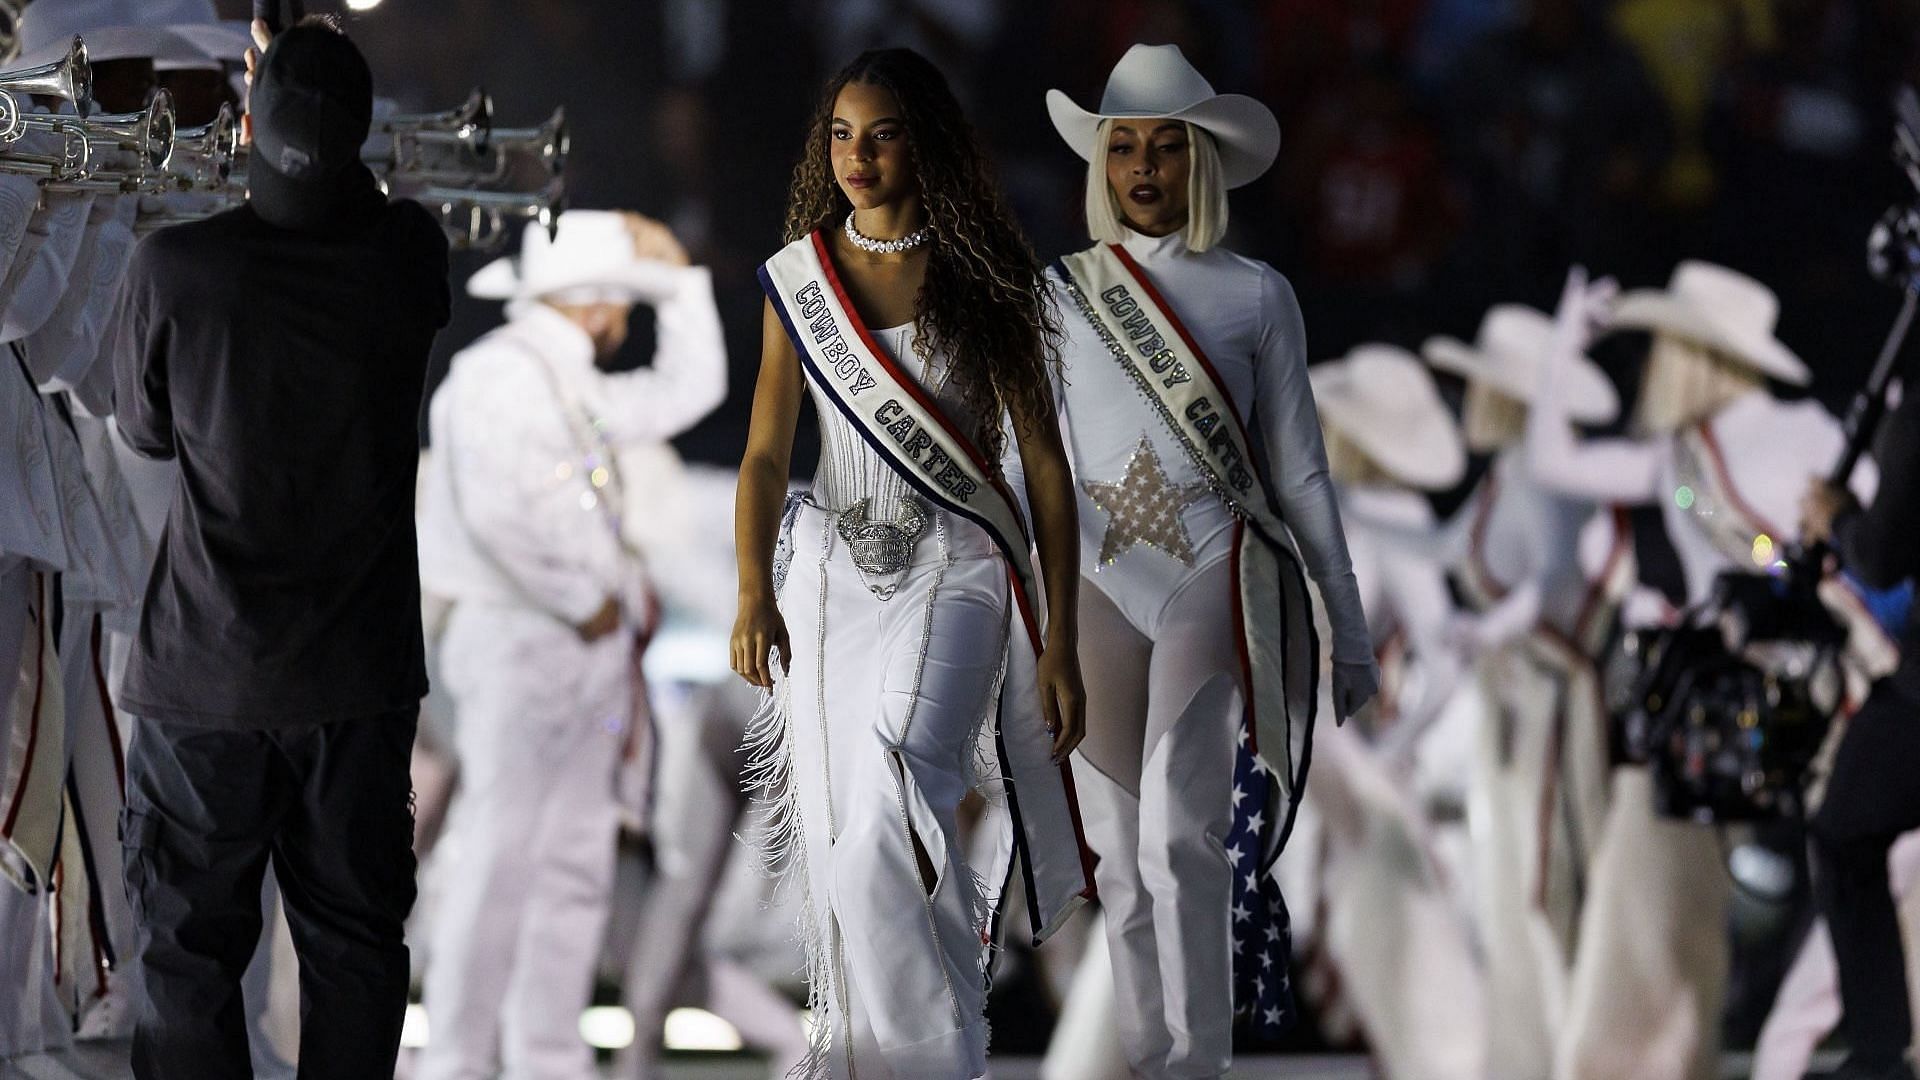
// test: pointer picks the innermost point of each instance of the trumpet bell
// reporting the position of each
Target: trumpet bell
(548, 144)
(203, 156)
(481, 220)
(147, 134)
(472, 117)
(69, 78)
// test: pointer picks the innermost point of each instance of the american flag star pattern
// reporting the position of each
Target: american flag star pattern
(1145, 508)
(1262, 933)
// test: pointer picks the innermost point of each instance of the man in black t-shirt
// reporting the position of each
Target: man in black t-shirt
(1871, 796)
(278, 353)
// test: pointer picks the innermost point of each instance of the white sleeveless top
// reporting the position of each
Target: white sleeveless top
(850, 469)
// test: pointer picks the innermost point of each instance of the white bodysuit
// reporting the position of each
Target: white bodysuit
(1165, 701)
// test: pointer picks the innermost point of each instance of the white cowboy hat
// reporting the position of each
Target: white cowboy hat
(1722, 309)
(591, 252)
(219, 43)
(1154, 81)
(112, 29)
(1382, 399)
(1507, 354)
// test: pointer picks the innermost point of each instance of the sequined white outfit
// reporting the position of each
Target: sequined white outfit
(1544, 615)
(518, 529)
(884, 709)
(1388, 950)
(1165, 700)
(1650, 969)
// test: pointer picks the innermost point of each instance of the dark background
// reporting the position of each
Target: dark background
(1439, 155)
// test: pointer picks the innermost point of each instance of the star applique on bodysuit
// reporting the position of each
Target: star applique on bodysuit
(1144, 508)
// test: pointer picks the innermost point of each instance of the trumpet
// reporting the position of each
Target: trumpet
(146, 137)
(469, 126)
(505, 154)
(548, 144)
(70, 79)
(480, 220)
(203, 157)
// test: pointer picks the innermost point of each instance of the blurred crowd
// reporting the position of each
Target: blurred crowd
(1439, 155)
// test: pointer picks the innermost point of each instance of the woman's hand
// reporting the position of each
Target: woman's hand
(1353, 686)
(1063, 699)
(757, 631)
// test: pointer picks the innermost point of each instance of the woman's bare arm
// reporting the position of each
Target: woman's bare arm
(1056, 528)
(758, 629)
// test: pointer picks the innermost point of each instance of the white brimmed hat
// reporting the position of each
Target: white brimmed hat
(1381, 398)
(220, 43)
(591, 252)
(112, 29)
(1722, 309)
(1154, 81)
(1507, 354)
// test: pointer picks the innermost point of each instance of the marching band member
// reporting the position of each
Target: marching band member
(1381, 921)
(1195, 614)
(34, 549)
(898, 627)
(1726, 462)
(63, 795)
(1542, 739)
(522, 529)
(700, 797)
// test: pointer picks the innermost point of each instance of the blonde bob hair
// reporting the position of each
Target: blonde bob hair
(1206, 192)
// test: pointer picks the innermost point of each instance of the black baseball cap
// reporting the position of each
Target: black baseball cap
(312, 103)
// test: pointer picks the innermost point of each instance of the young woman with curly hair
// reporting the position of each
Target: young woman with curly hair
(892, 608)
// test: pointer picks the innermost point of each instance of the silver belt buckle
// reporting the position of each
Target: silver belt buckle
(882, 548)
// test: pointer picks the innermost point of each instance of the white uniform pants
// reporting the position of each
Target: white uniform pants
(1537, 807)
(96, 753)
(1388, 926)
(31, 1018)
(698, 803)
(1651, 971)
(886, 700)
(530, 850)
(1164, 706)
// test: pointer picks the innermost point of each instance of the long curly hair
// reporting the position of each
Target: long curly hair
(984, 303)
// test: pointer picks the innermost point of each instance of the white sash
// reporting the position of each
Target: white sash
(1870, 655)
(906, 427)
(31, 791)
(1273, 610)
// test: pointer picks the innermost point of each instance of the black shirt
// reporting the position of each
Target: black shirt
(283, 370)
(1878, 543)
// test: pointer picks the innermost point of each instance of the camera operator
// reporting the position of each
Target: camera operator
(1871, 797)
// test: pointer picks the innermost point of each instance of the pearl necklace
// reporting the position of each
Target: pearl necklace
(886, 247)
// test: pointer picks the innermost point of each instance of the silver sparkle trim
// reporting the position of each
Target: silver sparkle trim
(1154, 401)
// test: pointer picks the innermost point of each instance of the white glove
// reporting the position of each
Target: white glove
(1353, 686)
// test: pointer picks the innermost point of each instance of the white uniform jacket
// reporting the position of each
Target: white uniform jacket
(517, 509)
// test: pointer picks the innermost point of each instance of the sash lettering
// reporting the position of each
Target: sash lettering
(826, 334)
(1147, 341)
